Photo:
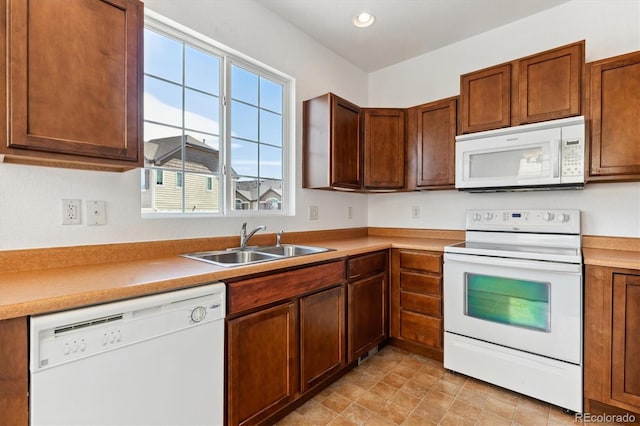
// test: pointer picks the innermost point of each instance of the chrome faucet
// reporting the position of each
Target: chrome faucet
(244, 237)
(279, 238)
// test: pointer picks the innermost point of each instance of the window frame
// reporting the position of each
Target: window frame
(228, 57)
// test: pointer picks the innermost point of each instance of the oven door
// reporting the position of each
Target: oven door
(534, 306)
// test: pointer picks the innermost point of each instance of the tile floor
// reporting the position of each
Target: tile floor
(396, 387)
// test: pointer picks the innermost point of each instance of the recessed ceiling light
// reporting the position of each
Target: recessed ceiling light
(363, 20)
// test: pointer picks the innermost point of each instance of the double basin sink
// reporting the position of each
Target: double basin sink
(247, 256)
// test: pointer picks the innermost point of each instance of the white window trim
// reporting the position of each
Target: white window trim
(162, 24)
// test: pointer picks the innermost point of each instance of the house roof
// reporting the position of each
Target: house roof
(167, 152)
(253, 190)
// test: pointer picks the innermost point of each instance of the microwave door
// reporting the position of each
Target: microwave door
(507, 164)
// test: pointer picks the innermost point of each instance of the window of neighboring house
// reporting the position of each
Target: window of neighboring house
(241, 205)
(199, 124)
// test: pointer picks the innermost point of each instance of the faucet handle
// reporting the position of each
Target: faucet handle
(279, 237)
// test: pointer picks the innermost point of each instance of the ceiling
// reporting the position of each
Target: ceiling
(403, 28)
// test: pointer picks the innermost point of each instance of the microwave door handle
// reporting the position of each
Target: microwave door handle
(556, 148)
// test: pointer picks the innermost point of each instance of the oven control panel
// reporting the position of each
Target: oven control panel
(551, 221)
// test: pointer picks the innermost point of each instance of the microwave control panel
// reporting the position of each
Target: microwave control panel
(572, 157)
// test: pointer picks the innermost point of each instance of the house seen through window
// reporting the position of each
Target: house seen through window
(214, 129)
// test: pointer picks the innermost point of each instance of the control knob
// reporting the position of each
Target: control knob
(547, 217)
(198, 314)
(477, 217)
(563, 217)
(488, 216)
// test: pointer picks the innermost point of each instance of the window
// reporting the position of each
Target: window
(215, 124)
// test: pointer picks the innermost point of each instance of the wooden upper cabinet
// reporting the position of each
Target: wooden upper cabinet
(540, 87)
(74, 82)
(331, 139)
(486, 99)
(550, 83)
(613, 97)
(432, 132)
(384, 148)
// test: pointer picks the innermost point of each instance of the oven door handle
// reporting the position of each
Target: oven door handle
(541, 265)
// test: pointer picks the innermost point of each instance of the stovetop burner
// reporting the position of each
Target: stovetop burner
(549, 235)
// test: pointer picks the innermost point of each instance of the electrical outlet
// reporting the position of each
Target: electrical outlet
(415, 212)
(314, 212)
(349, 212)
(71, 212)
(96, 213)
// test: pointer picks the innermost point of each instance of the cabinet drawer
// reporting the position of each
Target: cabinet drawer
(421, 261)
(368, 264)
(421, 283)
(421, 328)
(421, 303)
(261, 291)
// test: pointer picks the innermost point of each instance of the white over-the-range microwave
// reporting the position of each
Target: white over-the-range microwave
(548, 155)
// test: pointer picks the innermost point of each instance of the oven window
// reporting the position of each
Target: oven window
(519, 303)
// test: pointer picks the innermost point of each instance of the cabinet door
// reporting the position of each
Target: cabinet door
(322, 335)
(434, 141)
(384, 148)
(345, 144)
(262, 363)
(486, 99)
(14, 372)
(614, 94)
(367, 307)
(75, 88)
(550, 84)
(625, 368)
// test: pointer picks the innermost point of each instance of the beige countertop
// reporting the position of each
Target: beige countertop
(39, 290)
(46, 290)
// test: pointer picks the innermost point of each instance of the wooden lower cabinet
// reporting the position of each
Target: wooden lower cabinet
(262, 350)
(322, 336)
(367, 304)
(286, 336)
(416, 321)
(14, 372)
(612, 340)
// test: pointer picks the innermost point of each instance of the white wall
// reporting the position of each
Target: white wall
(30, 197)
(30, 206)
(609, 27)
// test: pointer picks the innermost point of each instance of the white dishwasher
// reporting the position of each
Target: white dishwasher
(154, 360)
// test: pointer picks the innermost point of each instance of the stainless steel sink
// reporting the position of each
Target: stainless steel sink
(290, 250)
(233, 257)
(237, 257)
